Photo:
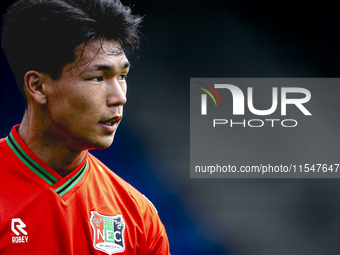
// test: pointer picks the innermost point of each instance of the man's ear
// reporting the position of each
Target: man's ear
(33, 82)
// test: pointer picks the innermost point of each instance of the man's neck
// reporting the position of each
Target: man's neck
(57, 155)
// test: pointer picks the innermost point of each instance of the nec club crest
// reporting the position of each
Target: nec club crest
(108, 233)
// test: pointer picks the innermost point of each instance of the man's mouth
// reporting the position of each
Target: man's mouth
(110, 122)
(110, 125)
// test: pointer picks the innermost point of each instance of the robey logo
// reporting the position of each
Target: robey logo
(17, 227)
(239, 105)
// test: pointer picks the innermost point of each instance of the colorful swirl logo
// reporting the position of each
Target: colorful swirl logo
(204, 97)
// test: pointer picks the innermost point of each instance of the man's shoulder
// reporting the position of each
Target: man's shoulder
(5, 152)
(110, 180)
(105, 175)
(2, 141)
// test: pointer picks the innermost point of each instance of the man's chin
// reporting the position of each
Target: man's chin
(102, 144)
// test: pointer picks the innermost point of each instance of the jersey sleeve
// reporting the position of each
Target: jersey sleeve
(156, 237)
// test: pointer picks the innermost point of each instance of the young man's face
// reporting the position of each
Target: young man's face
(86, 104)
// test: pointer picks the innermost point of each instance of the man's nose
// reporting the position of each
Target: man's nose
(117, 93)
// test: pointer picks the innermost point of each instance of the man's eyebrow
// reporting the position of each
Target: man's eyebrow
(106, 67)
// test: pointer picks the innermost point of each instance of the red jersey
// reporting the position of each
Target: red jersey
(89, 211)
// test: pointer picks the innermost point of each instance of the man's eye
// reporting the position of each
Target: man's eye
(122, 77)
(97, 79)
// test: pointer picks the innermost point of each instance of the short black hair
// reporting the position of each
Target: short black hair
(42, 35)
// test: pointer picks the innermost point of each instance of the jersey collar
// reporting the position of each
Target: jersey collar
(62, 186)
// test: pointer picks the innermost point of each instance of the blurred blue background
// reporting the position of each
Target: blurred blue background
(183, 39)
